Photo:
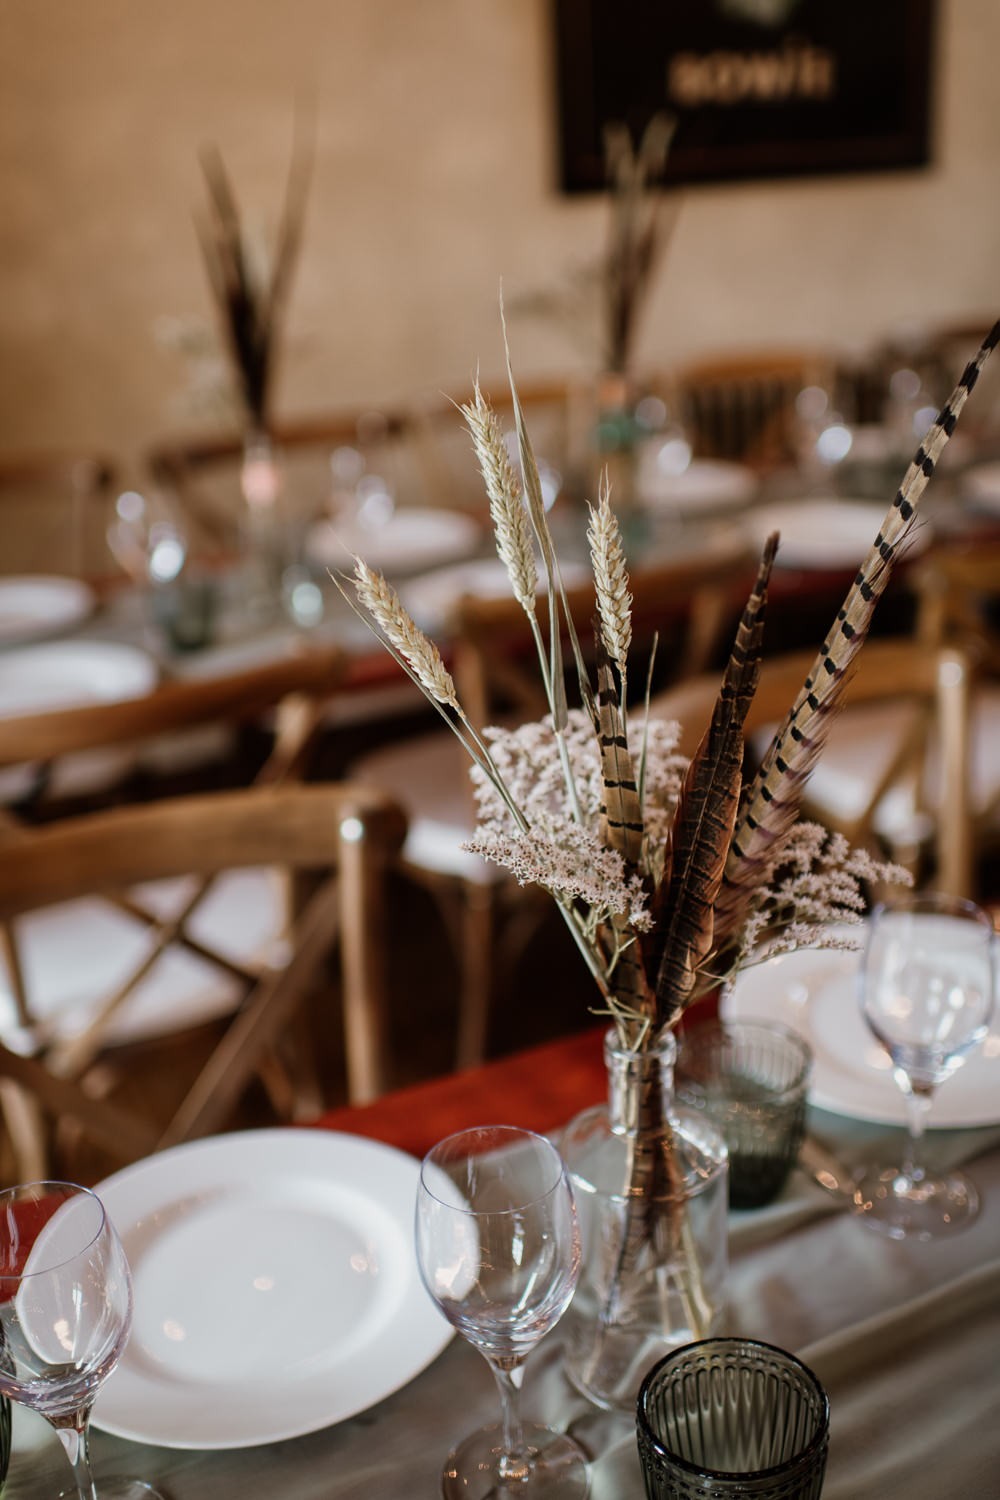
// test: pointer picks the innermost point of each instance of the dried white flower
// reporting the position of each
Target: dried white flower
(528, 760)
(815, 883)
(572, 864)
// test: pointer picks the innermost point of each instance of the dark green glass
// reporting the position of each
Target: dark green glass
(4, 1441)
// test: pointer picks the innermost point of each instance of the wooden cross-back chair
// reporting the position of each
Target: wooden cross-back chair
(199, 919)
(53, 512)
(741, 406)
(204, 474)
(893, 775)
(345, 833)
(496, 674)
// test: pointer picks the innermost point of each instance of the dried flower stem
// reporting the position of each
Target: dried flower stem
(614, 602)
(510, 519)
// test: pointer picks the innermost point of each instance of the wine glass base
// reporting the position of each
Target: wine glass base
(558, 1468)
(118, 1487)
(922, 1208)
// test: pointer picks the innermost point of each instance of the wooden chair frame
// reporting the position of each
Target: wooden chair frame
(741, 406)
(294, 688)
(938, 684)
(347, 831)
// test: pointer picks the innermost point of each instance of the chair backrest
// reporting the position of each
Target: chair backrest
(742, 406)
(296, 678)
(346, 832)
(291, 692)
(53, 512)
(691, 603)
(933, 689)
(958, 601)
(315, 459)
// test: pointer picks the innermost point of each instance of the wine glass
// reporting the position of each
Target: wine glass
(927, 988)
(65, 1314)
(499, 1251)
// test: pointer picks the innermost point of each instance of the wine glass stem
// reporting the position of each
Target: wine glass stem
(514, 1461)
(77, 1448)
(918, 1104)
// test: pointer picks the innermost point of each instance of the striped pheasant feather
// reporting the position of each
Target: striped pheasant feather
(620, 813)
(772, 802)
(706, 813)
(620, 828)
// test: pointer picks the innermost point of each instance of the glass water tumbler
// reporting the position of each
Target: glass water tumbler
(751, 1078)
(730, 1417)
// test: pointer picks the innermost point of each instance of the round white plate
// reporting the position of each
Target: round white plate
(412, 538)
(829, 533)
(705, 485)
(815, 992)
(71, 674)
(276, 1288)
(37, 605)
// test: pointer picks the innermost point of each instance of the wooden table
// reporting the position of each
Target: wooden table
(904, 1337)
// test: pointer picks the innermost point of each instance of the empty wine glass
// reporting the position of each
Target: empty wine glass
(65, 1314)
(926, 988)
(499, 1251)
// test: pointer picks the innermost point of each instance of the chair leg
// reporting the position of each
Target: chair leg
(26, 1131)
(476, 982)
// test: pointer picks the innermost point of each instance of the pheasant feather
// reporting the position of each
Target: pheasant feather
(621, 812)
(620, 828)
(772, 803)
(706, 814)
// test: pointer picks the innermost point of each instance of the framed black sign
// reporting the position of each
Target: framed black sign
(758, 88)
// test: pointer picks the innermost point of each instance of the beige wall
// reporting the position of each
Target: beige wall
(434, 179)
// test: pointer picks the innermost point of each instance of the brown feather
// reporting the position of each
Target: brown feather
(621, 825)
(706, 814)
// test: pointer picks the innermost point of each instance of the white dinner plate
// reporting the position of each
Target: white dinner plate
(410, 539)
(814, 991)
(71, 674)
(276, 1288)
(705, 485)
(828, 533)
(37, 605)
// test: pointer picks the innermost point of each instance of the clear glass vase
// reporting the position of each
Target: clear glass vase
(262, 540)
(651, 1188)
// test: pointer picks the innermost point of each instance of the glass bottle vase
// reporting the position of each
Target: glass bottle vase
(651, 1188)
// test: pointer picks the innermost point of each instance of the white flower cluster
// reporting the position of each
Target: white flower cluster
(815, 884)
(556, 851)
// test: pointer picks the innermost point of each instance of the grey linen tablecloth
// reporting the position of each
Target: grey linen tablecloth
(905, 1337)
